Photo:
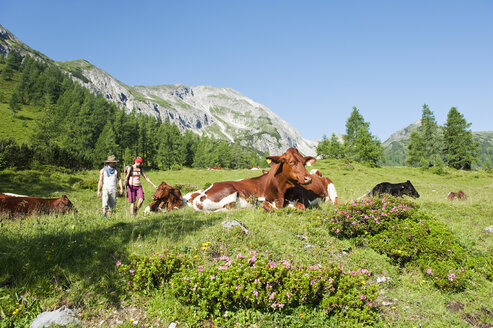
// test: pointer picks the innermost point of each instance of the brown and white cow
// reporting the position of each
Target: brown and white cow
(321, 189)
(214, 168)
(456, 195)
(253, 168)
(287, 170)
(24, 206)
(8, 194)
(165, 195)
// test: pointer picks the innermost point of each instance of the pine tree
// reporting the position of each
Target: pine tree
(426, 143)
(14, 103)
(353, 124)
(460, 149)
(330, 148)
(360, 144)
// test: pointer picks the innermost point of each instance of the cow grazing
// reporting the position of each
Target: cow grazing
(321, 189)
(395, 189)
(165, 195)
(214, 168)
(24, 206)
(456, 195)
(287, 170)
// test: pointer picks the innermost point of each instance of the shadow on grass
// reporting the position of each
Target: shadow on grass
(57, 257)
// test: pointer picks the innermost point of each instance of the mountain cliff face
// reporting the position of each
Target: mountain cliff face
(218, 112)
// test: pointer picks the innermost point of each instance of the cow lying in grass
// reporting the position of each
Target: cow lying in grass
(321, 189)
(165, 195)
(287, 170)
(16, 206)
(456, 195)
(394, 189)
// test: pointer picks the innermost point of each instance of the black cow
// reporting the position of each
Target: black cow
(395, 189)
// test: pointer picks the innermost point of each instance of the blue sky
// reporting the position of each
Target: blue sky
(309, 61)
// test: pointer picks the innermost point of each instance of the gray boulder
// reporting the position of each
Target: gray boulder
(61, 316)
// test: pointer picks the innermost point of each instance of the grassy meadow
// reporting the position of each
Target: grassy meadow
(50, 261)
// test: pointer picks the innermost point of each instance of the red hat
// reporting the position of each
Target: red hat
(139, 160)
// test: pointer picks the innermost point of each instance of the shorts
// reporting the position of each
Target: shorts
(135, 192)
(109, 198)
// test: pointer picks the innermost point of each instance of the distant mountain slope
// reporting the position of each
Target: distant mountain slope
(218, 112)
(395, 147)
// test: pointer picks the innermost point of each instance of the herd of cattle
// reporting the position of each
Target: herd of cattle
(286, 183)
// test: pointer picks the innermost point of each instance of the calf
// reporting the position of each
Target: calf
(395, 189)
(321, 189)
(286, 171)
(215, 168)
(456, 195)
(24, 206)
(165, 195)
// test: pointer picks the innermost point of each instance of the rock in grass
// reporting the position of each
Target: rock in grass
(234, 223)
(59, 317)
(489, 229)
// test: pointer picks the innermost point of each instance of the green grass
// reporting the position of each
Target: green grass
(71, 259)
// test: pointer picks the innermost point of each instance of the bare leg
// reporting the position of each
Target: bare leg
(132, 205)
(139, 204)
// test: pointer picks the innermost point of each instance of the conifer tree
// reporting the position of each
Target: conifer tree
(330, 148)
(14, 103)
(426, 143)
(360, 144)
(460, 149)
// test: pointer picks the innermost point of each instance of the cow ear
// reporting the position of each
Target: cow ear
(275, 159)
(309, 160)
(402, 187)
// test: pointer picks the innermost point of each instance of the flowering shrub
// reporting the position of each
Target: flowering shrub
(395, 227)
(369, 216)
(258, 283)
(147, 273)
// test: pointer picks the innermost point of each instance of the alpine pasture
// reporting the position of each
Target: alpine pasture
(76, 260)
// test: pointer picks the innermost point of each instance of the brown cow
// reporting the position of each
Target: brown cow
(165, 194)
(456, 195)
(8, 194)
(286, 171)
(23, 206)
(215, 168)
(321, 189)
(253, 168)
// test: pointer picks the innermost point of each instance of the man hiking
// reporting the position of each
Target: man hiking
(108, 178)
(132, 180)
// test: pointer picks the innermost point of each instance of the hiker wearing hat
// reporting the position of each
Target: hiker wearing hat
(108, 177)
(132, 180)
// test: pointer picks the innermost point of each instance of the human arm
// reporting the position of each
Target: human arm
(149, 180)
(100, 182)
(119, 177)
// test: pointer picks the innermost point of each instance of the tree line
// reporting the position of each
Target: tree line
(78, 129)
(429, 145)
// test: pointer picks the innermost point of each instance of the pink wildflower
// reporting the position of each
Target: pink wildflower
(272, 296)
(131, 272)
(255, 293)
(428, 271)
(362, 297)
(118, 263)
(213, 277)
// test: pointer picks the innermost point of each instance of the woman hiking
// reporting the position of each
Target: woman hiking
(132, 180)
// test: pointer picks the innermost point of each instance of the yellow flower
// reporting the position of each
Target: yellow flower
(204, 248)
(195, 256)
(363, 282)
(221, 252)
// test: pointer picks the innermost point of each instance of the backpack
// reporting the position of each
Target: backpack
(131, 167)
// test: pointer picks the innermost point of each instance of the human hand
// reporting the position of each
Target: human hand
(121, 192)
(99, 193)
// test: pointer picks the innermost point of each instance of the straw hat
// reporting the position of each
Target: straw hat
(111, 159)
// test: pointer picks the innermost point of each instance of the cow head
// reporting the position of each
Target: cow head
(64, 205)
(292, 165)
(408, 189)
(162, 191)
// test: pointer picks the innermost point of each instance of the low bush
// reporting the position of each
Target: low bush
(256, 283)
(395, 227)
